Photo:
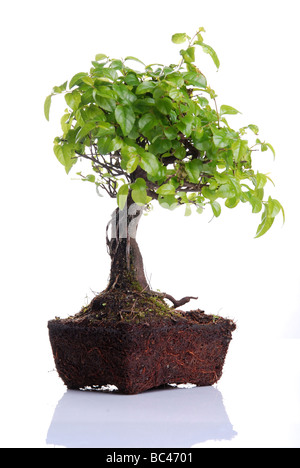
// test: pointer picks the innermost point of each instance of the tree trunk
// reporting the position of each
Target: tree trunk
(127, 270)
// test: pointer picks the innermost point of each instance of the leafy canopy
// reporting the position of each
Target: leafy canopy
(158, 134)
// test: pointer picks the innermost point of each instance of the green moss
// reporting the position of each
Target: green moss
(131, 305)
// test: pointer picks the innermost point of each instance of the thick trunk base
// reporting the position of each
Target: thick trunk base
(136, 357)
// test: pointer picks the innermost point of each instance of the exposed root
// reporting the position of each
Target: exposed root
(176, 304)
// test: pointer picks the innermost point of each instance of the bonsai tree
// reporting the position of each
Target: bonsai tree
(155, 134)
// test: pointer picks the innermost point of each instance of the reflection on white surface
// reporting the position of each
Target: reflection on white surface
(255, 404)
(169, 417)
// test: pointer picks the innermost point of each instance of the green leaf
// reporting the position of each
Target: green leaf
(147, 122)
(211, 195)
(125, 117)
(261, 180)
(90, 178)
(168, 201)
(160, 146)
(100, 57)
(76, 78)
(216, 208)
(65, 155)
(139, 192)
(164, 105)
(69, 154)
(255, 202)
(104, 91)
(180, 152)
(122, 196)
(47, 105)
(254, 128)
(264, 147)
(103, 102)
(232, 202)
(221, 137)
(88, 80)
(149, 163)
(228, 110)
(188, 210)
(256, 205)
(84, 131)
(116, 143)
(221, 178)
(132, 163)
(193, 170)
(117, 64)
(66, 122)
(127, 153)
(175, 79)
(171, 133)
(186, 124)
(209, 50)
(144, 104)
(274, 208)
(105, 145)
(110, 73)
(104, 129)
(265, 225)
(58, 151)
(195, 79)
(188, 55)
(166, 189)
(160, 175)
(105, 79)
(73, 99)
(91, 113)
(176, 94)
(271, 148)
(135, 59)
(236, 186)
(145, 87)
(123, 92)
(259, 193)
(226, 191)
(131, 79)
(239, 149)
(179, 38)
(61, 88)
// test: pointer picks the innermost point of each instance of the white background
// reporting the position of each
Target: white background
(53, 252)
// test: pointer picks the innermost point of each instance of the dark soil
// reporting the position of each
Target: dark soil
(136, 342)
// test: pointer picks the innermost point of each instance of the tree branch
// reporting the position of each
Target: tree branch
(195, 153)
(189, 187)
